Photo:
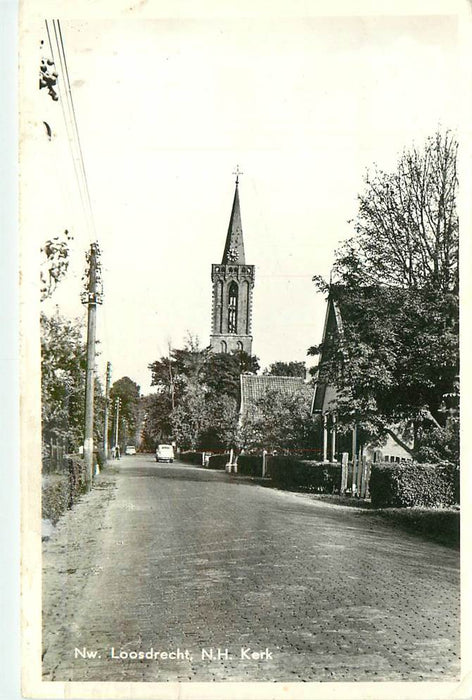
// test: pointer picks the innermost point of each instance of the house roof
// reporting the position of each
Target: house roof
(255, 387)
(234, 246)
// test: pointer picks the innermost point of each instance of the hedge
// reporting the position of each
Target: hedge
(438, 524)
(250, 465)
(192, 457)
(61, 490)
(405, 484)
(289, 472)
(218, 461)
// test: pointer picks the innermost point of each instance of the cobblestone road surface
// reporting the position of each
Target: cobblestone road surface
(172, 559)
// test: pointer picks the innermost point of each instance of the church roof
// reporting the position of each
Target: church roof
(255, 387)
(234, 246)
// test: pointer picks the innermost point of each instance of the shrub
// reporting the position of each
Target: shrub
(55, 496)
(441, 525)
(192, 457)
(76, 468)
(218, 461)
(289, 472)
(411, 484)
(61, 490)
(250, 465)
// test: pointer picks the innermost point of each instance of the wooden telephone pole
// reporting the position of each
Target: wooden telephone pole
(91, 297)
(117, 423)
(107, 401)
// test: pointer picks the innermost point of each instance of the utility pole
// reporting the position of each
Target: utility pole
(107, 401)
(117, 419)
(91, 296)
(171, 377)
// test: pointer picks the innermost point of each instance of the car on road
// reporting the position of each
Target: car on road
(165, 453)
(130, 450)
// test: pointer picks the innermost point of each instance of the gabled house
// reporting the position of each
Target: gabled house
(255, 387)
(398, 443)
(280, 421)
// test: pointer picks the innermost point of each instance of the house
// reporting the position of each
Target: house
(255, 387)
(397, 444)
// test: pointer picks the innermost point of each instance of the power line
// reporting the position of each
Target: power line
(76, 126)
(70, 120)
(68, 127)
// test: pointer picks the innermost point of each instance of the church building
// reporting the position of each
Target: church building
(233, 283)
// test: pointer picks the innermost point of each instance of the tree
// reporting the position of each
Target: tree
(407, 229)
(157, 427)
(199, 395)
(222, 372)
(222, 419)
(189, 419)
(280, 423)
(397, 290)
(63, 363)
(287, 369)
(128, 392)
(54, 264)
(396, 357)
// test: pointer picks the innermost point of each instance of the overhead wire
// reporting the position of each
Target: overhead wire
(58, 55)
(64, 104)
(87, 190)
(70, 120)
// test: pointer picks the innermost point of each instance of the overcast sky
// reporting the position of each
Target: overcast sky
(166, 109)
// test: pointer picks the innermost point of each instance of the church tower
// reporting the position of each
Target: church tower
(233, 282)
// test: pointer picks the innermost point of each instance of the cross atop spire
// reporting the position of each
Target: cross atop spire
(237, 172)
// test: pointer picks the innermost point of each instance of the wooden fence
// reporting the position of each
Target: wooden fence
(355, 475)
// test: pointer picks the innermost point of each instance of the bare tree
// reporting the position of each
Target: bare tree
(407, 230)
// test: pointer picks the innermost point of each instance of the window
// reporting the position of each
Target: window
(239, 346)
(247, 297)
(224, 347)
(233, 308)
(219, 305)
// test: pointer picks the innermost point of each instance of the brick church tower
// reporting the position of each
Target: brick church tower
(233, 282)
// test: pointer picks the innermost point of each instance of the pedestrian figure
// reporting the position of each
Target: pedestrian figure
(117, 451)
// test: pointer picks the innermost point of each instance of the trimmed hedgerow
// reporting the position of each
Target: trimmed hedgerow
(192, 457)
(61, 490)
(250, 465)
(408, 484)
(218, 461)
(291, 473)
(437, 524)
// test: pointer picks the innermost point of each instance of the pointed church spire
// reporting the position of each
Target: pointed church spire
(234, 246)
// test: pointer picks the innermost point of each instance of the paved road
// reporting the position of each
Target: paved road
(172, 559)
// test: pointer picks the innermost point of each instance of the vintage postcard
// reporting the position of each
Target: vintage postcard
(240, 376)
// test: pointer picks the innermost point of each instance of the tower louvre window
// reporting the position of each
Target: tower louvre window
(233, 308)
(219, 303)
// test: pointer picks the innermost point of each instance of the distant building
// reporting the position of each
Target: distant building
(256, 387)
(233, 283)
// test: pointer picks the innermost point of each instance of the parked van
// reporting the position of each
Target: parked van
(165, 453)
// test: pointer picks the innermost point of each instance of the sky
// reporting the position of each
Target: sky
(166, 109)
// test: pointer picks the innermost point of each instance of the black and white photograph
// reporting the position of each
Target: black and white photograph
(240, 349)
